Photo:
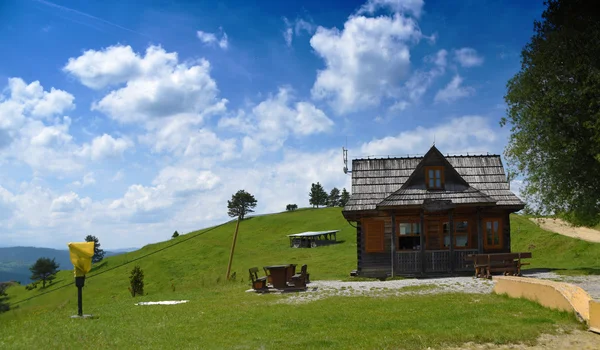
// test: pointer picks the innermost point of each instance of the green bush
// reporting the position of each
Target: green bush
(136, 281)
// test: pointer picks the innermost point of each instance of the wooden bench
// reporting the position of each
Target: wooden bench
(257, 282)
(508, 263)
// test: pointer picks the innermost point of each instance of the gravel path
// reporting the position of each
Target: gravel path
(590, 283)
(324, 289)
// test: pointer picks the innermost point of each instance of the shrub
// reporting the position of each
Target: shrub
(291, 207)
(136, 281)
(175, 234)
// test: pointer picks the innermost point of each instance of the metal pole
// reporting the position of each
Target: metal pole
(79, 301)
(237, 226)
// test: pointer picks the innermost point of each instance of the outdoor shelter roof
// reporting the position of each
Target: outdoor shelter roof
(312, 233)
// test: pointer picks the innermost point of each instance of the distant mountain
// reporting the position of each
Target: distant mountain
(15, 261)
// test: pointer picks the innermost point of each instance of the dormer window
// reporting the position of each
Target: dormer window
(434, 177)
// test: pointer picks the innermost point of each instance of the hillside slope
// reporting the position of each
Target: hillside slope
(552, 250)
(201, 257)
(220, 315)
(198, 260)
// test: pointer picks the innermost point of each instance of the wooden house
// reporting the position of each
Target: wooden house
(424, 215)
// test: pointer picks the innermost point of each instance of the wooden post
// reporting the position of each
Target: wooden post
(422, 242)
(393, 245)
(451, 231)
(237, 226)
(479, 232)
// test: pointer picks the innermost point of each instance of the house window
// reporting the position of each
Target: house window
(461, 234)
(374, 235)
(409, 235)
(492, 230)
(434, 177)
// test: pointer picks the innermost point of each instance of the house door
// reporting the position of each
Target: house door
(437, 257)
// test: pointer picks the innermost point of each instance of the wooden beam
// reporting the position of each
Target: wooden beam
(422, 242)
(451, 231)
(479, 232)
(393, 245)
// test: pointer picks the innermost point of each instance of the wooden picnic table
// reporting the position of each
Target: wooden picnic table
(280, 274)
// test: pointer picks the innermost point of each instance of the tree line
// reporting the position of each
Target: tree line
(318, 196)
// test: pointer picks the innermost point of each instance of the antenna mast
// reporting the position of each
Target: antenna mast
(345, 152)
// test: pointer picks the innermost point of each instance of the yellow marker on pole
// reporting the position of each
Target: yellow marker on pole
(81, 254)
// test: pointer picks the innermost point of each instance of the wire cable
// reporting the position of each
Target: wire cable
(125, 263)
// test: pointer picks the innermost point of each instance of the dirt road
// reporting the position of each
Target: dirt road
(563, 228)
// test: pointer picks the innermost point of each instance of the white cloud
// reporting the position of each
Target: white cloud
(453, 91)
(211, 39)
(464, 134)
(88, 180)
(31, 129)
(365, 62)
(296, 28)
(171, 89)
(169, 99)
(68, 203)
(36, 102)
(111, 66)
(468, 57)
(105, 146)
(516, 186)
(439, 59)
(274, 119)
(413, 7)
(119, 175)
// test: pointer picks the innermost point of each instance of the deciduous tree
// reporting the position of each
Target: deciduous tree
(554, 112)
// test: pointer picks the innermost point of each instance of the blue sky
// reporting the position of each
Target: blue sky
(130, 120)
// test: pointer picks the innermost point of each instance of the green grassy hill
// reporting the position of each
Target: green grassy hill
(201, 257)
(551, 250)
(221, 315)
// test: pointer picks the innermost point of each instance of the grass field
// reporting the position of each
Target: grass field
(552, 250)
(221, 315)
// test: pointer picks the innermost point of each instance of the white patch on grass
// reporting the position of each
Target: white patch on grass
(167, 302)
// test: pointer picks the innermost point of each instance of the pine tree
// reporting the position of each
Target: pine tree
(98, 253)
(136, 281)
(241, 203)
(334, 198)
(345, 197)
(317, 194)
(44, 270)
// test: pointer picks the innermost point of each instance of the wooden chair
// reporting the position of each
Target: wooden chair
(257, 282)
(268, 275)
(300, 279)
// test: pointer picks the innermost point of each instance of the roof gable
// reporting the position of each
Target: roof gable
(435, 158)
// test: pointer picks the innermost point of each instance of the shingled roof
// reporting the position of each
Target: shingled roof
(378, 183)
